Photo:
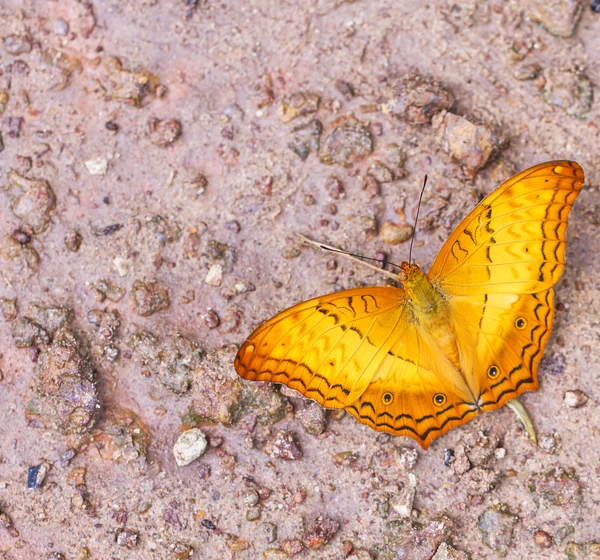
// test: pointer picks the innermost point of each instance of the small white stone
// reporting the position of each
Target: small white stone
(215, 275)
(575, 399)
(241, 288)
(189, 446)
(500, 453)
(402, 502)
(97, 166)
(122, 266)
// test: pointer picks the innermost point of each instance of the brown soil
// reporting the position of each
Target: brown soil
(163, 132)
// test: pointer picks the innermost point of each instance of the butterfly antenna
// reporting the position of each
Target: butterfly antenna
(351, 256)
(416, 218)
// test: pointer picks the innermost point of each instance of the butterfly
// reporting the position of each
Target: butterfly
(465, 338)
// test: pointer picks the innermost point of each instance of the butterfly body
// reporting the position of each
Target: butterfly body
(465, 338)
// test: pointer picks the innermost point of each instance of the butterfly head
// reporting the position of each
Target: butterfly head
(418, 289)
(408, 271)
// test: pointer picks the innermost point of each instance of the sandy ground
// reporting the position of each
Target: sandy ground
(161, 197)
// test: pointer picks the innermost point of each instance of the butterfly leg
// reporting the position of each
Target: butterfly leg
(517, 407)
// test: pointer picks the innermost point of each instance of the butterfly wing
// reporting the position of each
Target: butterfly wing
(497, 270)
(358, 349)
(514, 240)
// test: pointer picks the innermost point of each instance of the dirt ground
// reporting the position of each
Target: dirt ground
(156, 159)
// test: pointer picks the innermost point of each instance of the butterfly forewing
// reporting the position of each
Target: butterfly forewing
(326, 347)
(514, 240)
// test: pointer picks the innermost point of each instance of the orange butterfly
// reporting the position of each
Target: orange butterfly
(467, 337)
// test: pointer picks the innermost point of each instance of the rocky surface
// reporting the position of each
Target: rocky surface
(157, 160)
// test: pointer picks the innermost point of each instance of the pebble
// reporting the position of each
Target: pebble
(36, 475)
(8, 308)
(570, 90)
(268, 532)
(335, 187)
(163, 133)
(181, 551)
(61, 27)
(586, 551)
(26, 332)
(406, 458)
(251, 498)
(31, 200)
(549, 443)
(66, 393)
(214, 276)
(446, 552)
(575, 399)
(312, 417)
(291, 546)
(348, 142)
(380, 172)
(555, 487)
(415, 540)
(559, 18)
(402, 501)
(469, 143)
(253, 513)
(282, 445)
(127, 538)
(393, 233)
(236, 544)
(319, 531)
(527, 71)
(17, 44)
(542, 539)
(147, 298)
(122, 266)
(296, 105)
(189, 446)
(210, 318)
(274, 554)
(97, 166)
(394, 156)
(417, 99)
(307, 139)
(72, 240)
(497, 525)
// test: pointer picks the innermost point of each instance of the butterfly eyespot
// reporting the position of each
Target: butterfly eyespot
(493, 372)
(387, 398)
(520, 323)
(439, 399)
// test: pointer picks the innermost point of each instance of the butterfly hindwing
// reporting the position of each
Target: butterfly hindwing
(414, 392)
(511, 331)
